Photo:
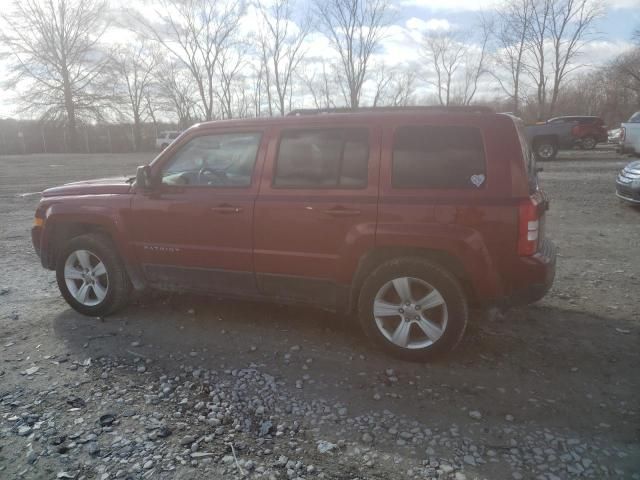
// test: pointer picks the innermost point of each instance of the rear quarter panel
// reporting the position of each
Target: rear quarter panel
(478, 226)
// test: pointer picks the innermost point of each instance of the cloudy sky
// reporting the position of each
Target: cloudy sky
(415, 17)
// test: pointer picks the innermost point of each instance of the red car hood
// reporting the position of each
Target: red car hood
(101, 186)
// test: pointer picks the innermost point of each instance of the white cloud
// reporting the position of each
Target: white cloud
(623, 4)
(431, 25)
(454, 5)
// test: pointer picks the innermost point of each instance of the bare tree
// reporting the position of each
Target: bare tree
(394, 88)
(197, 32)
(55, 61)
(572, 23)
(627, 66)
(321, 85)
(559, 31)
(536, 66)
(446, 55)
(280, 40)
(135, 65)
(475, 61)
(512, 34)
(355, 29)
(176, 93)
(229, 68)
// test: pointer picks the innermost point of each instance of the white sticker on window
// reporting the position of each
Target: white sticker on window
(477, 180)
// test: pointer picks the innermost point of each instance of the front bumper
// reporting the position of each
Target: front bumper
(36, 237)
(628, 194)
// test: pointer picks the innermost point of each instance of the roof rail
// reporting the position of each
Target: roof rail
(417, 108)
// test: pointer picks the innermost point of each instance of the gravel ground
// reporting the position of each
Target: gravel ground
(178, 386)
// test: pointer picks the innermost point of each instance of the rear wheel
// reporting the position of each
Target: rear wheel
(546, 149)
(91, 276)
(413, 308)
(588, 143)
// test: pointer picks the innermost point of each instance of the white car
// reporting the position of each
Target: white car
(165, 138)
(630, 136)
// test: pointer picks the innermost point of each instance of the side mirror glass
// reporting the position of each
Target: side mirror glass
(143, 177)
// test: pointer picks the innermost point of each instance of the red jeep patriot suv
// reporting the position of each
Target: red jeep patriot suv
(406, 217)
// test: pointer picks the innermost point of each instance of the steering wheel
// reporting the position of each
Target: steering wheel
(220, 174)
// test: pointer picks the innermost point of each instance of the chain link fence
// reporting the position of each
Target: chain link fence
(26, 137)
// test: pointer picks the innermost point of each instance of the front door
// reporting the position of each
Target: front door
(316, 211)
(194, 229)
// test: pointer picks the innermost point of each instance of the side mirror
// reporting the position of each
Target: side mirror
(143, 177)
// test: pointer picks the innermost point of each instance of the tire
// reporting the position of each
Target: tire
(588, 143)
(545, 150)
(104, 293)
(447, 320)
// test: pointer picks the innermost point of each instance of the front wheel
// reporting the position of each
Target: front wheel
(413, 308)
(91, 276)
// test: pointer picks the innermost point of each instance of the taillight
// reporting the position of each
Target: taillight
(528, 227)
(623, 132)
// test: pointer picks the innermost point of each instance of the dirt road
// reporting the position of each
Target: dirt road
(193, 387)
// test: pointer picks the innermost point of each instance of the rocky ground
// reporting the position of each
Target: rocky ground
(191, 387)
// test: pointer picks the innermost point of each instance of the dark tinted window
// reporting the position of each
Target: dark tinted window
(328, 158)
(635, 118)
(438, 157)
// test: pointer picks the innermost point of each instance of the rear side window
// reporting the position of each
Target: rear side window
(438, 157)
(323, 158)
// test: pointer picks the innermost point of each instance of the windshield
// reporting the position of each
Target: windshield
(635, 118)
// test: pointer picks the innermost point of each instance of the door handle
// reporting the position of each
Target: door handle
(226, 209)
(342, 212)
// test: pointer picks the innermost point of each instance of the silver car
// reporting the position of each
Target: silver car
(628, 183)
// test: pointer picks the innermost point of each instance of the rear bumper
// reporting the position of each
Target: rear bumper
(539, 270)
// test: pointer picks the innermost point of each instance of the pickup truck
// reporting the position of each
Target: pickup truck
(549, 137)
(561, 133)
(630, 135)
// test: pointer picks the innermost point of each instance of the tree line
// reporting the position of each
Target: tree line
(195, 60)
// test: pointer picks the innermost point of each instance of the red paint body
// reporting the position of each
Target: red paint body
(311, 245)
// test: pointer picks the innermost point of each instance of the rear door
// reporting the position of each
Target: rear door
(316, 211)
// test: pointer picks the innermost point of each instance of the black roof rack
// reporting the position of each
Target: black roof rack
(417, 108)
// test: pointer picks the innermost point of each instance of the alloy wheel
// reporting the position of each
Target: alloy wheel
(588, 143)
(410, 313)
(545, 150)
(86, 277)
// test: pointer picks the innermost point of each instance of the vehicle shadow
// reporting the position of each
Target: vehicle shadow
(555, 357)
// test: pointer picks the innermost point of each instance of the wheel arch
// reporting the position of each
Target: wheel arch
(379, 255)
(60, 231)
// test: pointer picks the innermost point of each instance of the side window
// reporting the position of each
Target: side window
(438, 157)
(323, 158)
(224, 160)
